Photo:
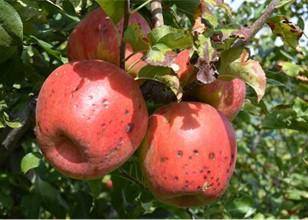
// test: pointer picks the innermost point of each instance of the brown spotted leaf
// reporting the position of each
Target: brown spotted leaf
(235, 63)
(289, 32)
(160, 55)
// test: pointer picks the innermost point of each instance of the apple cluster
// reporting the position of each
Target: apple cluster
(91, 117)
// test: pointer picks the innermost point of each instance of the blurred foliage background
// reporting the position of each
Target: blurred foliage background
(270, 180)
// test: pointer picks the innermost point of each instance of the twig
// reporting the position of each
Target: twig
(157, 13)
(139, 7)
(125, 24)
(257, 25)
(10, 137)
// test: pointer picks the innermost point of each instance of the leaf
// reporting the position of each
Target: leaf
(160, 55)
(28, 162)
(95, 186)
(49, 49)
(291, 69)
(289, 32)
(135, 37)
(51, 197)
(234, 63)
(284, 2)
(114, 9)
(282, 117)
(222, 39)
(11, 31)
(172, 37)
(8, 122)
(164, 75)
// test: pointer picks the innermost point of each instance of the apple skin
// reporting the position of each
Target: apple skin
(226, 96)
(188, 154)
(95, 37)
(186, 70)
(90, 118)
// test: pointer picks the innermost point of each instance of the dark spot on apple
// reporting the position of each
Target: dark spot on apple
(130, 127)
(212, 177)
(165, 177)
(126, 112)
(205, 177)
(208, 172)
(218, 184)
(226, 158)
(186, 181)
(211, 156)
(199, 188)
(217, 179)
(180, 153)
(103, 124)
(228, 170)
(232, 156)
(190, 157)
(214, 189)
(196, 152)
(163, 159)
(201, 171)
(176, 178)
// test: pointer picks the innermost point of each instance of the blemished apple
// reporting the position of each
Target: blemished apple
(188, 154)
(95, 37)
(226, 96)
(90, 118)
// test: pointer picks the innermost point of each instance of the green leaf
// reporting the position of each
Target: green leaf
(164, 75)
(284, 2)
(172, 37)
(289, 32)
(51, 198)
(291, 69)
(235, 64)
(160, 55)
(114, 9)
(28, 162)
(96, 187)
(284, 117)
(135, 37)
(11, 31)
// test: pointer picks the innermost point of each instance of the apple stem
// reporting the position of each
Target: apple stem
(125, 24)
(157, 13)
(257, 25)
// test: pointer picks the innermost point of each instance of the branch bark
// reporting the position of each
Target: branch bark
(125, 24)
(10, 137)
(257, 25)
(157, 13)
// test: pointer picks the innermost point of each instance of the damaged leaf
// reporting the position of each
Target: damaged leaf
(235, 63)
(289, 32)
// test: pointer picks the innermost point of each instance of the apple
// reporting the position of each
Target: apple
(90, 118)
(95, 37)
(226, 96)
(188, 154)
(185, 68)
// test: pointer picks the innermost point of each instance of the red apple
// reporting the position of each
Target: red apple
(90, 118)
(188, 154)
(186, 69)
(226, 96)
(95, 37)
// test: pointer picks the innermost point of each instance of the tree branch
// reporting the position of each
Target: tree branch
(250, 32)
(125, 24)
(157, 13)
(10, 137)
